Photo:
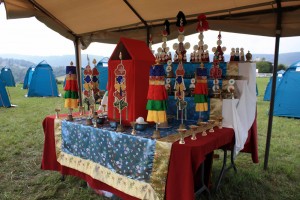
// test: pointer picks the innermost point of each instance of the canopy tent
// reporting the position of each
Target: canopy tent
(138, 19)
(4, 99)
(7, 77)
(267, 95)
(28, 76)
(287, 103)
(43, 82)
(102, 67)
(133, 18)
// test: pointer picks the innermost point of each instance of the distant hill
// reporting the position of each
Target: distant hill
(284, 58)
(54, 61)
(20, 63)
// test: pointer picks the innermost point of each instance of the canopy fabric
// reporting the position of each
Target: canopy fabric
(107, 20)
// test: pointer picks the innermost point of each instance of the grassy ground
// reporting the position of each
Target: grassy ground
(21, 146)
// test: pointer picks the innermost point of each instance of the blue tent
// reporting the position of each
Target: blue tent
(267, 96)
(28, 77)
(43, 82)
(4, 99)
(102, 67)
(288, 93)
(7, 76)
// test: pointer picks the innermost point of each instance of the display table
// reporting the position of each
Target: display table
(183, 168)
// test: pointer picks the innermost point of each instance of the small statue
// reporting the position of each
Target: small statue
(248, 56)
(242, 56)
(237, 54)
(232, 53)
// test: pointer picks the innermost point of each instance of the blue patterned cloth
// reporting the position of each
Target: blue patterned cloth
(123, 153)
(190, 109)
(157, 70)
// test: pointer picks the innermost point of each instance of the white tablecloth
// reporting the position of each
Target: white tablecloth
(239, 114)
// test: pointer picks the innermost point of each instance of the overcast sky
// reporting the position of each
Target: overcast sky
(31, 37)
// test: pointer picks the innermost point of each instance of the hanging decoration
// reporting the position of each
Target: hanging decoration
(180, 92)
(216, 73)
(169, 69)
(201, 53)
(95, 80)
(88, 85)
(150, 44)
(157, 97)
(231, 88)
(201, 89)
(192, 87)
(219, 51)
(71, 90)
(179, 81)
(120, 94)
(163, 54)
(181, 48)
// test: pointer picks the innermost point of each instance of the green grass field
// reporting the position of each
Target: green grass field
(22, 139)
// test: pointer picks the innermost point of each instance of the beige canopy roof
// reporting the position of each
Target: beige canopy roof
(107, 20)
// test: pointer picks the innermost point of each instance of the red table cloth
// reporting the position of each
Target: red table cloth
(185, 160)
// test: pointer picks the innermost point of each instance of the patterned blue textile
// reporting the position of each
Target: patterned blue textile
(201, 71)
(122, 153)
(191, 113)
(157, 70)
(70, 70)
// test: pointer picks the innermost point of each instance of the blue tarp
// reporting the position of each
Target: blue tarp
(4, 99)
(7, 77)
(288, 93)
(28, 77)
(43, 82)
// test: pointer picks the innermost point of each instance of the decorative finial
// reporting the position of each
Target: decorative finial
(180, 57)
(94, 61)
(157, 62)
(88, 59)
(202, 65)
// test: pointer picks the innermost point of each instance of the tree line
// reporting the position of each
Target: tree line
(264, 66)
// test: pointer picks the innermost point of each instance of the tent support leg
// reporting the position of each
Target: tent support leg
(77, 45)
(273, 91)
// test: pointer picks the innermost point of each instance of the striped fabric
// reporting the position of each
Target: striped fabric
(71, 88)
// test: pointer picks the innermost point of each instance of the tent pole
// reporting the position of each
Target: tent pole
(77, 45)
(148, 35)
(273, 91)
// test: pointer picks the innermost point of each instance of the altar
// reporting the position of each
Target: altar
(136, 166)
(152, 170)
